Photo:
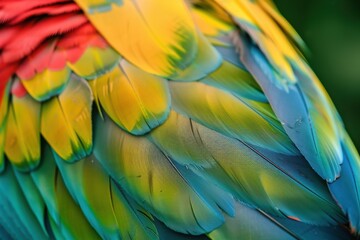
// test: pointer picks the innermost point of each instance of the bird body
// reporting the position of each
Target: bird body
(150, 119)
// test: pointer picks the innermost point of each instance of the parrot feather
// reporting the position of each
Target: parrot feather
(106, 214)
(65, 217)
(225, 113)
(209, 124)
(22, 145)
(74, 224)
(271, 10)
(137, 101)
(349, 180)
(95, 62)
(71, 137)
(2, 149)
(254, 224)
(171, 37)
(47, 83)
(149, 177)
(246, 172)
(16, 210)
(236, 81)
(4, 109)
(32, 196)
(254, 229)
(293, 111)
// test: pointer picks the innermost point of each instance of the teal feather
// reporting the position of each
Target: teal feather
(253, 175)
(211, 126)
(15, 210)
(254, 224)
(346, 189)
(87, 180)
(153, 180)
(231, 116)
(64, 216)
(32, 196)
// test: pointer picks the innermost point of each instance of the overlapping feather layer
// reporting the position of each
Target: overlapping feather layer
(156, 119)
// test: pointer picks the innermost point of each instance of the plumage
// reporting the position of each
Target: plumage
(184, 119)
(135, 100)
(71, 136)
(22, 144)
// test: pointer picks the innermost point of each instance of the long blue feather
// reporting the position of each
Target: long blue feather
(291, 107)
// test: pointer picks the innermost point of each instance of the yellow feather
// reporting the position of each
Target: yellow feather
(210, 25)
(137, 101)
(158, 43)
(22, 144)
(4, 108)
(269, 28)
(47, 83)
(95, 61)
(233, 7)
(66, 121)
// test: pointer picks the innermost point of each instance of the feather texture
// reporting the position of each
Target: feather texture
(150, 176)
(135, 100)
(22, 144)
(208, 124)
(71, 137)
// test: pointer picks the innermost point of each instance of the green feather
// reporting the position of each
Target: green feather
(236, 81)
(87, 180)
(155, 182)
(227, 114)
(251, 224)
(271, 183)
(73, 224)
(65, 216)
(44, 178)
(206, 60)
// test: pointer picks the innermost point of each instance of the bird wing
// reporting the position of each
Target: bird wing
(139, 119)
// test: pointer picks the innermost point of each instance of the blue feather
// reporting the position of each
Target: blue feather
(290, 105)
(346, 189)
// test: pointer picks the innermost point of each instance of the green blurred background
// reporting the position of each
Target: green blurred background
(331, 30)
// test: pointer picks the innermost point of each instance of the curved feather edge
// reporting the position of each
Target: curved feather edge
(32, 196)
(22, 145)
(87, 180)
(170, 37)
(71, 136)
(292, 109)
(155, 182)
(346, 189)
(232, 116)
(64, 218)
(326, 162)
(136, 100)
(16, 214)
(4, 108)
(252, 174)
(250, 223)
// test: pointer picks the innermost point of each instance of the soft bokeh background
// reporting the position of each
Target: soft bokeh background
(331, 30)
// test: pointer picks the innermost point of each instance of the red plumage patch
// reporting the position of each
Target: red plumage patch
(41, 34)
